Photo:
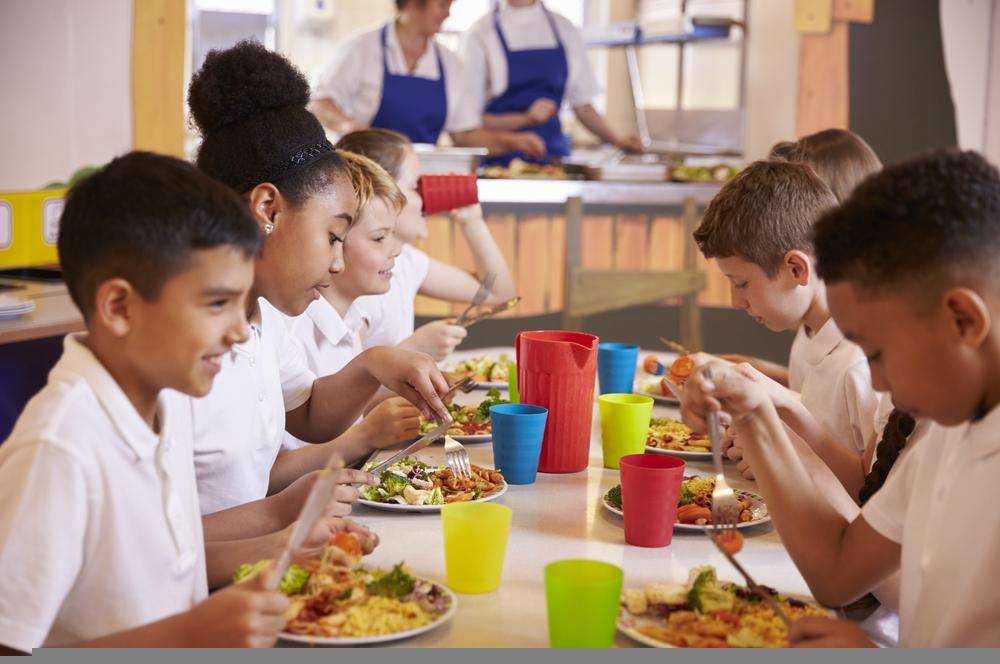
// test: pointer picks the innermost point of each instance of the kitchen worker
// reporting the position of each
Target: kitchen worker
(522, 62)
(399, 77)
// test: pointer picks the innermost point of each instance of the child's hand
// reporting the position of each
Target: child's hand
(392, 421)
(469, 214)
(438, 339)
(827, 633)
(325, 528)
(294, 495)
(240, 616)
(413, 376)
(728, 391)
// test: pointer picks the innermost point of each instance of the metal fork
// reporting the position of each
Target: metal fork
(457, 458)
(485, 288)
(725, 507)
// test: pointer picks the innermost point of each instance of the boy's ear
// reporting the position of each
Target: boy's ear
(113, 305)
(265, 204)
(799, 265)
(969, 315)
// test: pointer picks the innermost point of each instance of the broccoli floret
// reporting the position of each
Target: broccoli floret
(247, 572)
(392, 483)
(706, 595)
(397, 583)
(614, 496)
(492, 399)
(372, 493)
(292, 582)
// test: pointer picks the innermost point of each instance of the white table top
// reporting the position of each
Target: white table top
(559, 517)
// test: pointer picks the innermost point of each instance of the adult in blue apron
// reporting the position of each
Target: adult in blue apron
(533, 74)
(412, 105)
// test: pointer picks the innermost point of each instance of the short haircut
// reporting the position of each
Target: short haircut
(139, 218)
(764, 212)
(370, 181)
(385, 147)
(841, 158)
(922, 223)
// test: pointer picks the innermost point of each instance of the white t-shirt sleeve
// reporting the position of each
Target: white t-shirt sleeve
(862, 404)
(581, 86)
(462, 115)
(886, 510)
(44, 507)
(340, 82)
(474, 64)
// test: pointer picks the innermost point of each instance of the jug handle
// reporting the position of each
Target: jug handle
(517, 353)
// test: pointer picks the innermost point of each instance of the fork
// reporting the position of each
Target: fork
(725, 508)
(485, 288)
(457, 458)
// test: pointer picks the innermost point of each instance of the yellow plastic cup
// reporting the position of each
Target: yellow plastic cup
(475, 541)
(624, 425)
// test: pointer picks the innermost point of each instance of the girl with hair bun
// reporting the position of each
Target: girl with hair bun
(258, 138)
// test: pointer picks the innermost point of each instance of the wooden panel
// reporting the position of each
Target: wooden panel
(823, 100)
(158, 51)
(813, 16)
(504, 230)
(609, 290)
(666, 246)
(557, 258)
(598, 242)
(855, 11)
(631, 242)
(438, 246)
(533, 254)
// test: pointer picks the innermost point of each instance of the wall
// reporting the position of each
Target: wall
(772, 75)
(65, 77)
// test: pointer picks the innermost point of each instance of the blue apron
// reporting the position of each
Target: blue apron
(533, 74)
(412, 105)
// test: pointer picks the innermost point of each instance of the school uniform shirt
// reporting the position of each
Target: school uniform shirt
(353, 80)
(831, 373)
(240, 425)
(100, 530)
(390, 316)
(524, 28)
(329, 342)
(950, 548)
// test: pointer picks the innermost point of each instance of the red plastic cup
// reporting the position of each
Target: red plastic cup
(558, 370)
(447, 192)
(651, 484)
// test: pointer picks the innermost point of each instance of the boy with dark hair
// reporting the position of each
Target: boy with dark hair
(912, 264)
(100, 530)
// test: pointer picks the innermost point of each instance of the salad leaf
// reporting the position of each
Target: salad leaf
(392, 484)
(292, 582)
(247, 571)
(614, 496)
(372, 493)
(706, 594)
(436, 497)
(396, 583)
(492, 399)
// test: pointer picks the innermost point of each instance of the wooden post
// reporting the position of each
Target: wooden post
(690, 315)
(158, 52)
(574, 260)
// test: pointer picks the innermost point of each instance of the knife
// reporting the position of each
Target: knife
(489, 313)
(674, 389)
(760, 592)
(420, 444)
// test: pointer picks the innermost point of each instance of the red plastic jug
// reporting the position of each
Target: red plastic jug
(557, 370)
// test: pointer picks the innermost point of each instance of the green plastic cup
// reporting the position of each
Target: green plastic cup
(512, 392)
(624, 425)
(582, 598)
(475, 541)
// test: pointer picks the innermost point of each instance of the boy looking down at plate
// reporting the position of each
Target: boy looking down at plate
(100, 531)
(911, 261)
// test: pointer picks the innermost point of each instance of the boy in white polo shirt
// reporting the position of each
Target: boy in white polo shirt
(100, 530)
(911, 261)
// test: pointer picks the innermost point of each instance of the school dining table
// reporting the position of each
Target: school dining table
(560, 516)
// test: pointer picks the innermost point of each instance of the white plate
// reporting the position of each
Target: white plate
(424, 509)
(7, 313)
(757, 507)
(681, 454)
(472, 440)
(347, 641)
(640, 388)
(490, 386)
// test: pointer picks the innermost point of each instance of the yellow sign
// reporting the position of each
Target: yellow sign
(29, 227)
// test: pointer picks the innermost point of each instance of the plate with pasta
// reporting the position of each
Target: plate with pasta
(669, 436)
(471, 424)
(413, 485)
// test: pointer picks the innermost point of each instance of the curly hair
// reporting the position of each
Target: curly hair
(250, 106)
(841, 158)
(920, 223)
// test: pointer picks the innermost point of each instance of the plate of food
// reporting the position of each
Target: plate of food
(655, 383)
(673, 437)
(521, 169)
(471, 423)
(488, 372)
(413, 485)
(705, 612)
(337, 601)
(694, 504)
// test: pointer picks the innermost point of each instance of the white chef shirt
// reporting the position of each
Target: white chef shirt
(353, 80)
(831, 373)
(330, 342)
(240, 425)
(523, 28)
(950, 546)
(100, 530)
(390, 315)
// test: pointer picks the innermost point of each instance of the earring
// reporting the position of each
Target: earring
(268, 228)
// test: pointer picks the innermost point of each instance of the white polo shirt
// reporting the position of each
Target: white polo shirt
(100, 530)
(329, 341)
(390, 316)
(831, 373)
(353, 80)
(523, 28)
(240, 425)
(939, 505)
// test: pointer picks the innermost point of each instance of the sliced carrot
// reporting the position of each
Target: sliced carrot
(692, 513)
(347, 543)
(731, 541)
(682, 368)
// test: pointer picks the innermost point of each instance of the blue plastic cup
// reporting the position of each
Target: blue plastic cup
(518, 429)
(616, 367)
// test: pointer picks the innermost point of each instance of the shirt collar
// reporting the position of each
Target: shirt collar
(78, 360)
(823, 342)
(328, 321)
(983, 436)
